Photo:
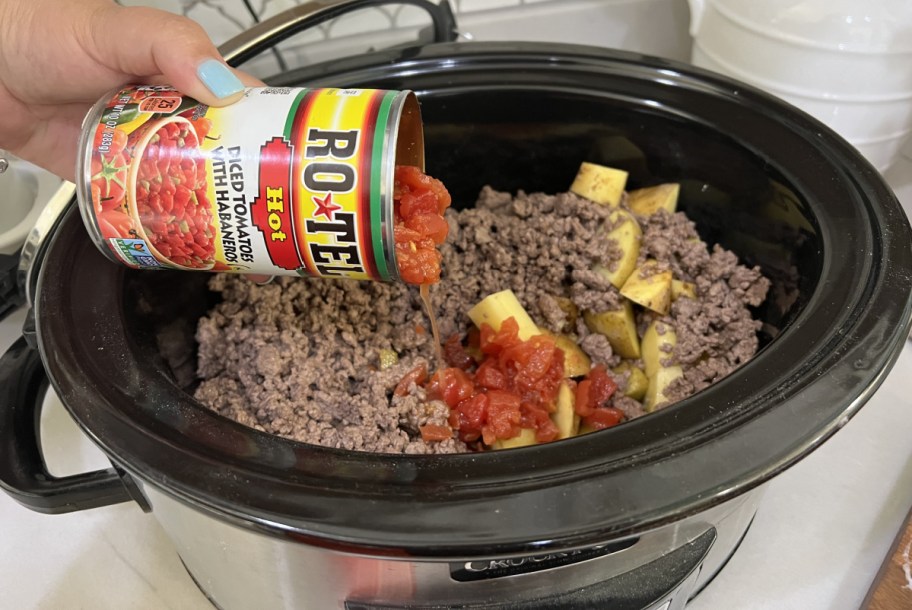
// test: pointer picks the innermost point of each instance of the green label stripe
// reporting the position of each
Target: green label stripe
(377, 186)
(292, 113)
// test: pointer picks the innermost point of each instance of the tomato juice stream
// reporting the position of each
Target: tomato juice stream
(424, 290)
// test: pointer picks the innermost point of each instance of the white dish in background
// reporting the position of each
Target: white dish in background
(845, 62)
(24, 190)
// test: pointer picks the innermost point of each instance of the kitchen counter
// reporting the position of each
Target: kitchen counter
(822, 531)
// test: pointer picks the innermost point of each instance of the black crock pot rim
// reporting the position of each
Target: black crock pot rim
(247, 507)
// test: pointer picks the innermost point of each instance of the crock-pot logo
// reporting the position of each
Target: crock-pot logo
(497, 568)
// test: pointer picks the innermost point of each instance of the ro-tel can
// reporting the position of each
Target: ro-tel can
(287, 181)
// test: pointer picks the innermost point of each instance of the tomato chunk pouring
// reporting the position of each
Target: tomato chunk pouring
(419, 226)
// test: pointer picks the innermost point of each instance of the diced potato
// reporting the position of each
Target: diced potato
(600, 184)
(649, 288)
(647, 201)
(576, 362)
(497, 307)
(626, 234)
(619, 326)
(565, 417)
(657, 347)
(637, 382)
(525, 438)
(680, 288)
(387, 358)
(658, 384)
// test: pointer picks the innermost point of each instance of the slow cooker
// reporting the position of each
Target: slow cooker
(638, 516)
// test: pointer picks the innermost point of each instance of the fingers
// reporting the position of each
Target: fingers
(150, 42)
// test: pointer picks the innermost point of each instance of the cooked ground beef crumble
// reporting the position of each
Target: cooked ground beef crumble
(299, 358)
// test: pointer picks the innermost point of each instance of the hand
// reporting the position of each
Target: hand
(58, 57)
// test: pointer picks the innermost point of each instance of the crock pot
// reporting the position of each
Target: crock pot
(637, 516)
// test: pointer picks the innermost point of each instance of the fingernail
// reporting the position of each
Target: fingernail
(219, 79)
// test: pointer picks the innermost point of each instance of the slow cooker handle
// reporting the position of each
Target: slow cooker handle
(274, 30)
(23, 472)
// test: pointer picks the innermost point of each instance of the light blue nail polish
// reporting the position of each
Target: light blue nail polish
(218, 78)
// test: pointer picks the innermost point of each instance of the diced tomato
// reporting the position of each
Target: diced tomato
(493, 342)
(418, 207)
(603, 386)
(503, 416)
(603, 417)
(531, 358)
(515, 387)
(451, 385)
(595, 391)
(581, 405)
(417, 375)
(535, 417)
(412, 204)
(469, 417)
(410, 178)
(406, 236)
(455, 354)
(430, 225)
(490, 377)
(434, 432)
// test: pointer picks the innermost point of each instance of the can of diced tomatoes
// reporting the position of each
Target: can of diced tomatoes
(287, 181)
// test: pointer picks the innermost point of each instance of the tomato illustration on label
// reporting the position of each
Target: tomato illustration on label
(170, 198)
(109, 170)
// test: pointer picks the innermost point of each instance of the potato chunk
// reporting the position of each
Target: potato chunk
(565, 417)
(626, 234)
(497, 307)
(647, 201)
(619, 326)
(637, 382)
(648, 287)
(657, 349)
(576, 362)
(658, 384)
(680, 288)
(600, 184)
(525, 438)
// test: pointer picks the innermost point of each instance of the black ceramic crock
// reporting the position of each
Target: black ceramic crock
(758, 176)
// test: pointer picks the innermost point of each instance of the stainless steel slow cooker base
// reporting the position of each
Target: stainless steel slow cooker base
(238, 568)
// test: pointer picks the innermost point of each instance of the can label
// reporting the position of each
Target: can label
(287, 181)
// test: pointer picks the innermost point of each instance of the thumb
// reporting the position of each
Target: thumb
(154, 44)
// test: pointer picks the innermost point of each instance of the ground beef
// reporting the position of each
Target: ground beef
(300, 358)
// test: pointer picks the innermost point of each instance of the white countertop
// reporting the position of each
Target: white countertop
(821, 533)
